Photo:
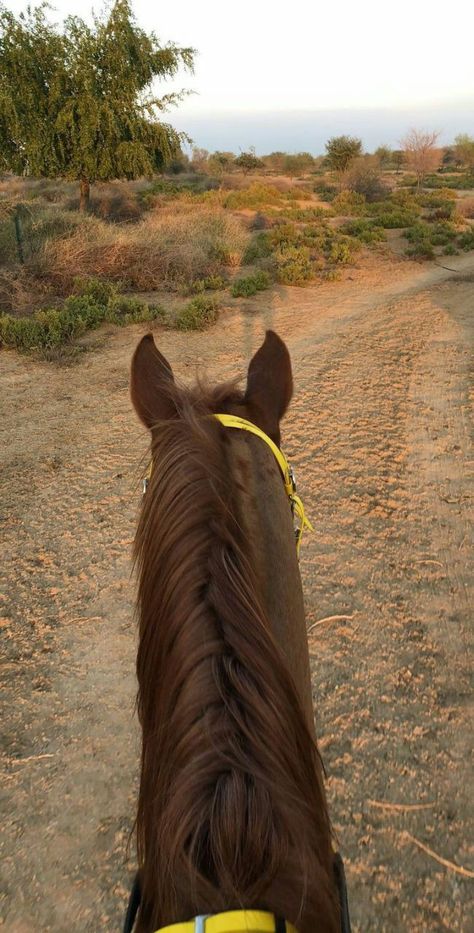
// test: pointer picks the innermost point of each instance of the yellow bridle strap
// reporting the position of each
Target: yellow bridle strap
(231, 921)
(233, 421)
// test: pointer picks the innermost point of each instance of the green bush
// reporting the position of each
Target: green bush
(293, 265)
(393, 217)
(341, 251)
(466, 240)
(209, 283)
(199, 313)
(421, 249)
(325, 192)
(367, 231)
(250, 285)
(349, 202)
(458, 182)
(259, 247)
(450, 250)
(51, 328)
(255, 195)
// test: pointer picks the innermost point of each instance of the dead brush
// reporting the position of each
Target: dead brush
(171, 248)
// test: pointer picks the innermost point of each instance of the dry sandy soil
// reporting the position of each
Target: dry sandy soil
(378, 433)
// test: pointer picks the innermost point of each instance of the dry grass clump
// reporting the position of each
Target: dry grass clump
(170, 248)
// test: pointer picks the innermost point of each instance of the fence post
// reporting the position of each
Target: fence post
(19, 235)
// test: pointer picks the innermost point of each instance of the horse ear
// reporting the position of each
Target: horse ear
(270, 384)
(151, 380)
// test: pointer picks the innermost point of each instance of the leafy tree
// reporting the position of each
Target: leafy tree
(248, 161)
(79, 104)
(199, 159)
(465, 150)
(398, 159)
(298, 163)
(421, 154)
(384, 155)
(220, 162)
(274, 161)
(341, 151)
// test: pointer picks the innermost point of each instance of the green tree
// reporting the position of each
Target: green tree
(248, 161)
(298, 163)
(465, 150)
(341, 151)
(398, 159)
(221, 162)
(384, 155)
(79, 103)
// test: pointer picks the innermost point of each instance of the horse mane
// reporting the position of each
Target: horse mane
(231, 812)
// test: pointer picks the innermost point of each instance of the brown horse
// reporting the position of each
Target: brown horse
(232, 812)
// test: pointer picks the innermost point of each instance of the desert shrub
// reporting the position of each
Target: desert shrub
(283, 235)
(169, 249)
(250, 285)
(450, 250)
(349, 202)
(303, 214)
(365, 179)
(259, 248)
(466, 240)
(419, 237)
(255, 196)
(197, 314)
(459, 182)
(442, 233)
(465, 208)
(293, 265)
(436, 198)
(391, 216)
(210, 283)
(422, 249)
(341, 251)
(297, 194)
(53, 327)
(326, 192)
(366, 231)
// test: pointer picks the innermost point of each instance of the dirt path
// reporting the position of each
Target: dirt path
(378, 434)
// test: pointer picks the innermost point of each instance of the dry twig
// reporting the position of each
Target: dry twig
(465, 872)
(400, 807)
(329, 619)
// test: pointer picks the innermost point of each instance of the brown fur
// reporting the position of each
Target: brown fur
(231, 810)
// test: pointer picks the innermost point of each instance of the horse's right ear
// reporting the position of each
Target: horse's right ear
(151, 380)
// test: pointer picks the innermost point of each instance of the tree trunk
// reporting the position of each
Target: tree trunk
(84, 198)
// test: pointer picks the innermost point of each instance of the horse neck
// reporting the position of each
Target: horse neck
(231, 807)
(265, 515)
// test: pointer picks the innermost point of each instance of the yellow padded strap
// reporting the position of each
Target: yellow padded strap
(233, 421)
(231, 921)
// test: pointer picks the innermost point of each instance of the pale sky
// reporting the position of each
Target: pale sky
(268, 55)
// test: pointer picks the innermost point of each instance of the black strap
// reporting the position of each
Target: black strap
(133, 905)
(280, 925)
(340, 876)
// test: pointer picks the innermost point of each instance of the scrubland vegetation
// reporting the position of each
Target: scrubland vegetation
(180, 247)
(180, 236)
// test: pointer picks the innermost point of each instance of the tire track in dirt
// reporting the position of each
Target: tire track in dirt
(387, 699)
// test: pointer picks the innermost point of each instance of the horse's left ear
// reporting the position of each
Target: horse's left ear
(150, 384)
(270, 384)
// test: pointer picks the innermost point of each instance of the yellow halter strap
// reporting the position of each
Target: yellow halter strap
(231, 921)
(297, 507)
(233, 421)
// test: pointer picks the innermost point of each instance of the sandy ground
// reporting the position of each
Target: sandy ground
(378, 433)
